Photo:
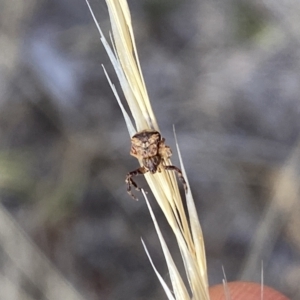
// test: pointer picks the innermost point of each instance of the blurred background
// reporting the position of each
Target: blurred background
(225, 72)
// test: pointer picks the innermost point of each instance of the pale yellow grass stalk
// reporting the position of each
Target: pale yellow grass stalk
(187, 229)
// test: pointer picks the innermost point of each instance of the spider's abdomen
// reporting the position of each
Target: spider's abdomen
(145, 144)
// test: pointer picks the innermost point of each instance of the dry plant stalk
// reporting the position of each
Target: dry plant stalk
(187, 229)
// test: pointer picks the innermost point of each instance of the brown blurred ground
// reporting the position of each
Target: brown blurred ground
(226, 73)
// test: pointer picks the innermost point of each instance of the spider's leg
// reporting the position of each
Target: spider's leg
(180, 176)
(130, 181)
(164, 150)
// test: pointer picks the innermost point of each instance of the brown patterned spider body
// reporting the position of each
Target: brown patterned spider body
(149, 147)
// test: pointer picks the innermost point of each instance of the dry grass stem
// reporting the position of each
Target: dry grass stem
(187, 229)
